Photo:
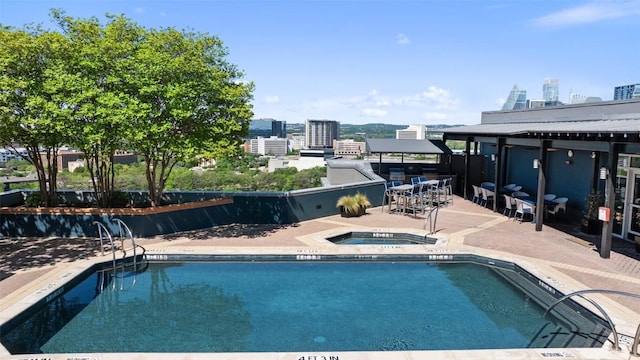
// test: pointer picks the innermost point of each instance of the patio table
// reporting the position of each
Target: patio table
(400, 193)
(532, 200)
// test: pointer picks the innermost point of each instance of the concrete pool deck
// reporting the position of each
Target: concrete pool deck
(568, 260)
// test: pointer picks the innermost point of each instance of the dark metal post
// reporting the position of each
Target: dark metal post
(542, 166)
(609, 200)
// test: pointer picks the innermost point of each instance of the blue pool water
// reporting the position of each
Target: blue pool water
(380, 238)
(302, 306)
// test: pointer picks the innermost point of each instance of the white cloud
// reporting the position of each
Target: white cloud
(432, 104)
(500, 101)
(271, 99)
(139, 10)
(374, 112)
(402, 39)
(590, 13)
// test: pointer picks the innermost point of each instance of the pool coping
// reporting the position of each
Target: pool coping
(313, 247)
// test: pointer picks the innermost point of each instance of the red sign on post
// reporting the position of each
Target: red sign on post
(604, 213)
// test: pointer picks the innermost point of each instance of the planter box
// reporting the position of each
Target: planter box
(360, 212)
(591, 226)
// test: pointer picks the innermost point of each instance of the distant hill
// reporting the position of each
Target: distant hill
(359, 132)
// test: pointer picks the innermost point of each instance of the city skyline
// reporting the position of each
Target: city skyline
(393, 62)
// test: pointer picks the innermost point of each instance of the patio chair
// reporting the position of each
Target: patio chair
(487, 183)
(414, 200)
(523, 209)
(487, 196)
(559, 206)
(389, 197)
(448, 191)
(477, 194)
(520, 194)
(509, 205)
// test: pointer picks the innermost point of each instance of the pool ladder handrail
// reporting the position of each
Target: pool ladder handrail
(101, 231)
(432, 221)
(616, 343)
(123, 232)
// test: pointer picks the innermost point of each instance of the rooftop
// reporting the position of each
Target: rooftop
(559, 255)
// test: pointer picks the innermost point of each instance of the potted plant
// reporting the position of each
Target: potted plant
(353, 205)
(636, 227)
(590, 223)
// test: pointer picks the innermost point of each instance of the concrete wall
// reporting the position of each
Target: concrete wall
(278, 208)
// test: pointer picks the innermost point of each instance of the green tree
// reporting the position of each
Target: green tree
(34, 111)
(194, 103)
(99, 70)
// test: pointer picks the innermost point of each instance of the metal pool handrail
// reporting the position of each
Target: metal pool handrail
(636, 340)
(101, 231)
(432, 222)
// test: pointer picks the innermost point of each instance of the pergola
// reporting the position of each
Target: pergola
(605, 128)
(405, 146)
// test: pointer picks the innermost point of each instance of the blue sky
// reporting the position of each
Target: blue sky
(396, 62)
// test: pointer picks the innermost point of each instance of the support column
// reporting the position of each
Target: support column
(467, 167)
(497, 166)
(542, 183)
(609, 199)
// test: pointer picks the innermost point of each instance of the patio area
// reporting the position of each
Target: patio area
(561, 250)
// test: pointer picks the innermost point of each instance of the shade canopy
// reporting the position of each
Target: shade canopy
(406, 146)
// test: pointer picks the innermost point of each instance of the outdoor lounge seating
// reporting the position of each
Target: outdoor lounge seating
(390, 197)
(524, 209)
(520, 194)
(477, 194)
(488, 197)
(509, 205)
(560, 206)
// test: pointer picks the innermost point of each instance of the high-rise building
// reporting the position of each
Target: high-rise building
(413, 132)
(268, 146)
(536, 103)
(517, 99)
(348, 147)
(550, 91)
(626, 92)
(577, 98)
(319, 134)
(267, 128)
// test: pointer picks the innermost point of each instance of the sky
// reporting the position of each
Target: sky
(403, 62)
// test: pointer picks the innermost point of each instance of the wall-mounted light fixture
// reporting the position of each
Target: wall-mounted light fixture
(493, 157)
(593, 154)
(604, 173)
(536, 163)
(570, 153)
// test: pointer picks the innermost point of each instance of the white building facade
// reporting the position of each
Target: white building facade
(272, 146)
(413, 132)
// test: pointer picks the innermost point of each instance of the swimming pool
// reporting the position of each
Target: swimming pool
(304, 303)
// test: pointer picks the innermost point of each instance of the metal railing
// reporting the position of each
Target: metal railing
(431, 219)
(616, 342)
(102, 232)
(124, 233)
